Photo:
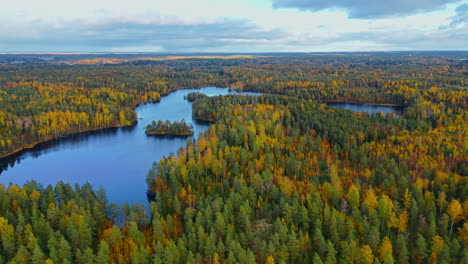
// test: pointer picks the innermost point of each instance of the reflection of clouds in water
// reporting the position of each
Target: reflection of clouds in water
(69, 142)
(117, 158)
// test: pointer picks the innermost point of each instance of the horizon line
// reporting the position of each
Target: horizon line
(221, 52)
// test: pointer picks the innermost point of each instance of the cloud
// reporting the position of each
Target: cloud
(366, 9)
(461, 16)
(447, 39)
(267, 31)
(123, 35)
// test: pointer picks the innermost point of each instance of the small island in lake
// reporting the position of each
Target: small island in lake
(194, 95)
(169, 128)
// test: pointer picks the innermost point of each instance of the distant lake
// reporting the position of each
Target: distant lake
(371, 109)
(117, 159)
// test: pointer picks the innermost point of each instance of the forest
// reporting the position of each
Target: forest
(277, 178)
(176, 128)
(194, 95)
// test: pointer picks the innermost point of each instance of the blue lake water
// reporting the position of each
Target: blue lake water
(371, 109)
(117, 159)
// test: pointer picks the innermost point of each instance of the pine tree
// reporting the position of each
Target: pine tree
(88, 256)
(64, 252)
(103, 254)
(317, 259)
(37, 256)
(22, 256)
(420, 249)
(402, 250)
(388, 259)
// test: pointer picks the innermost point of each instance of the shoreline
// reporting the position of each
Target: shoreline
(169, 134)
(203, 120)
(352, 102)
(34, 144)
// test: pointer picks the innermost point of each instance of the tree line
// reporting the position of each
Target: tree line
(176, 128)
(279, 178)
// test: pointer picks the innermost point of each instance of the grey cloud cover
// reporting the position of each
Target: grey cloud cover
(366, 9)
(461, 16)
(113, 36)
(153, 34)
(447, 37)
(442, 40)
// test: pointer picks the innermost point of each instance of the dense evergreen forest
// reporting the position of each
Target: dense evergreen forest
(194, 95)
(43, 101)
(278, 178)
(169, 128)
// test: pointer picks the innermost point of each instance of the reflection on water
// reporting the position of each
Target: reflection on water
(71, 142)
(117, 159)
(371, 109)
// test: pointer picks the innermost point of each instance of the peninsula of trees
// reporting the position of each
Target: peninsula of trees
(176, 128)
(277, 178)
(46, 101)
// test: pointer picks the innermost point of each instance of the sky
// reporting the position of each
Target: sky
(240, 26)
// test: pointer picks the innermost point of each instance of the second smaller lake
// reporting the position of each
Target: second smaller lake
(371, 109)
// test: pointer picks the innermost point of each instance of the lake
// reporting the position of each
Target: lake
(371, 109)
(117, 159)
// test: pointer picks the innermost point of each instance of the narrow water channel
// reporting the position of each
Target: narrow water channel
(117, 159)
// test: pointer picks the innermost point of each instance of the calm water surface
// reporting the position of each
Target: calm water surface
(371, 109)
(116, 159)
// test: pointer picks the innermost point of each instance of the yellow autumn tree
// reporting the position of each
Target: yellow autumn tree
(270, 260)
(370, 199)
(455, 211)
(403, 222)
(385, 248)
(216, 258)
(366, 255)
(436, 248)
(464, 233)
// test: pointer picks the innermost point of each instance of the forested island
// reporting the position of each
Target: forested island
(33, 107)
(169, 128)
(192, 96)
(277, 178)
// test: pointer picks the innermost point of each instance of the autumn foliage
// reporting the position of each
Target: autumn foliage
(277, 178)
